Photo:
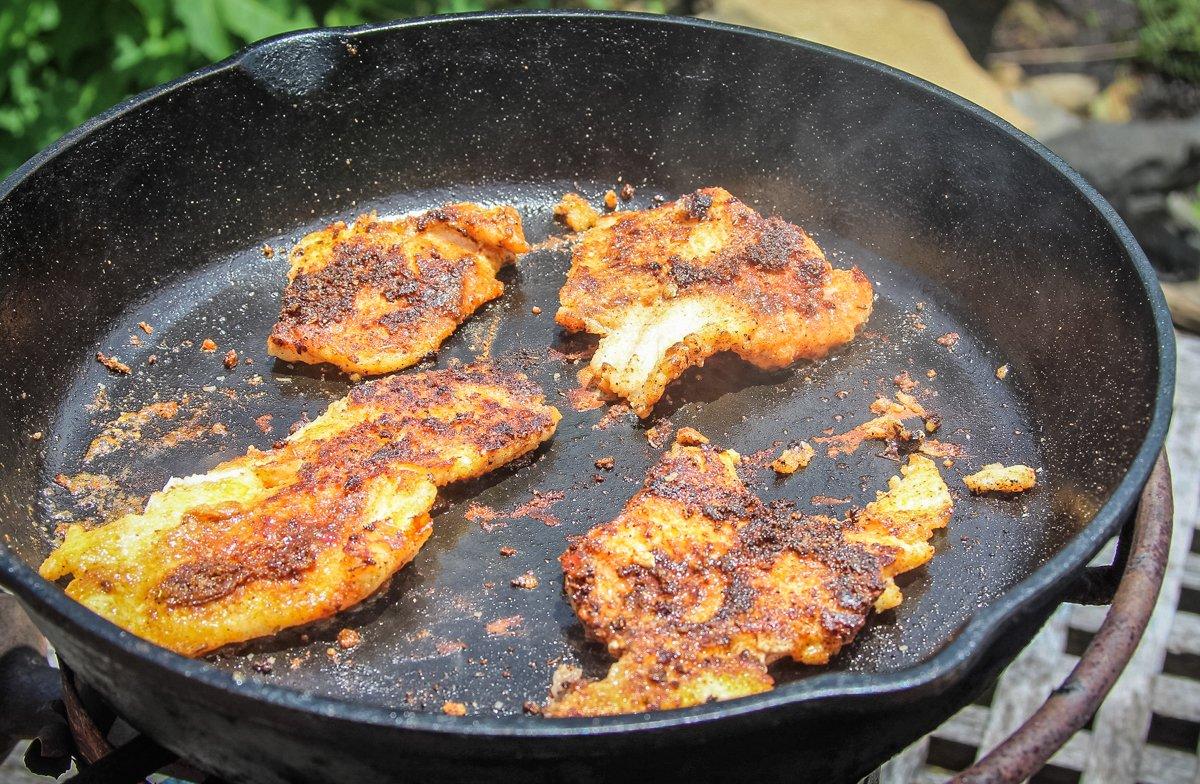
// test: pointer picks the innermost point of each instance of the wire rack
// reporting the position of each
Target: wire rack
(1148, 729)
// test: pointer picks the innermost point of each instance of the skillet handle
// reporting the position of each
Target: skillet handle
(1071, 705)
(1098, 584)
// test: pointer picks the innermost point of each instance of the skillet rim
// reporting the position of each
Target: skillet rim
(825, 691)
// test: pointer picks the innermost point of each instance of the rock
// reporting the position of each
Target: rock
(1007, 75)
(1047, 119)
(1137, 166)
(912, 35)
(1114, 105)
(1184, 301)
(1071, 91)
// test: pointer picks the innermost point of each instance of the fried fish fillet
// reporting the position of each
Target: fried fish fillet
(669, 287)
(377, 295)
(276, 539)
(698, 585)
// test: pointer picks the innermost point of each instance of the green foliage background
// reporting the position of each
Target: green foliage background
(63, 61)
(1170, 36)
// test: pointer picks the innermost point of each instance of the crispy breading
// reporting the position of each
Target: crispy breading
(669, 287)
(276, 539)
(574, 211)
(999, 478)
(377, 295)
(698, 586)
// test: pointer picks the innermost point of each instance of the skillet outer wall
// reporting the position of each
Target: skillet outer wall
(230, 729)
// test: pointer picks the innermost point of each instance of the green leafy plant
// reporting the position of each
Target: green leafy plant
(1170, 36)
(63, 61)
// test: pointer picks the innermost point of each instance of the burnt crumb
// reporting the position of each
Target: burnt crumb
(489, 585)
(627, 192)
(36, 436)
(231, 359)
(264, 423)
(508, 552)
(527, 581)
(267, 251)
(1002, 372)
(532, 708)
(349, 638)
(208, 345)
(152, 359)
(280, 444)
(135, 341)
(949, 340)
(610, 199)
(535, 310)
(144, 327)
(112, 363)
(451, 708)
(606, 463)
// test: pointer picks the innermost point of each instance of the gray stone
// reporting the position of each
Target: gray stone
(1048, 118)
(1137, 166)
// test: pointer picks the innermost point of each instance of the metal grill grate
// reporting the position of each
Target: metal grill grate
(1148, 730)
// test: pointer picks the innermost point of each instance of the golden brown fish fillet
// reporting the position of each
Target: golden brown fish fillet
(698, 585)
(667, 288)
(280, 538)
(377, 295)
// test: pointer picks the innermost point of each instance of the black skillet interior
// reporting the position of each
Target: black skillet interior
(161, 216)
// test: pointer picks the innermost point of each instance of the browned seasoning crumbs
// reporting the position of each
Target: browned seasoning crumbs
(931, 373)
(504, 625)
(112, 363)
(264, 423)
(660, 434)
(532, 708)
(208, 345)
(1002, 372)
(218, 429)
(615, 413)
(231, 359)
(535, 310)
(537, 507)
(36, 436)
(349, 638)
(527, 581)
(152, 359)
(295, 662)
(135, 341)
(451, 708)
(485, 516)
(610, 199)
(827, 500)
(508, 552)
(606, 463)
(627, 192)
(144, 327)
(267, 251)
(585, 398)
(949, 340)
(905, 382)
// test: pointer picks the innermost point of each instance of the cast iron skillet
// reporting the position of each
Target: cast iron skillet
(157, 211)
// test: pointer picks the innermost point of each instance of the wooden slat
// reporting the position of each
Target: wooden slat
(1027, 682)
(1177, 698)
(905, 766)
(1118, 751)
